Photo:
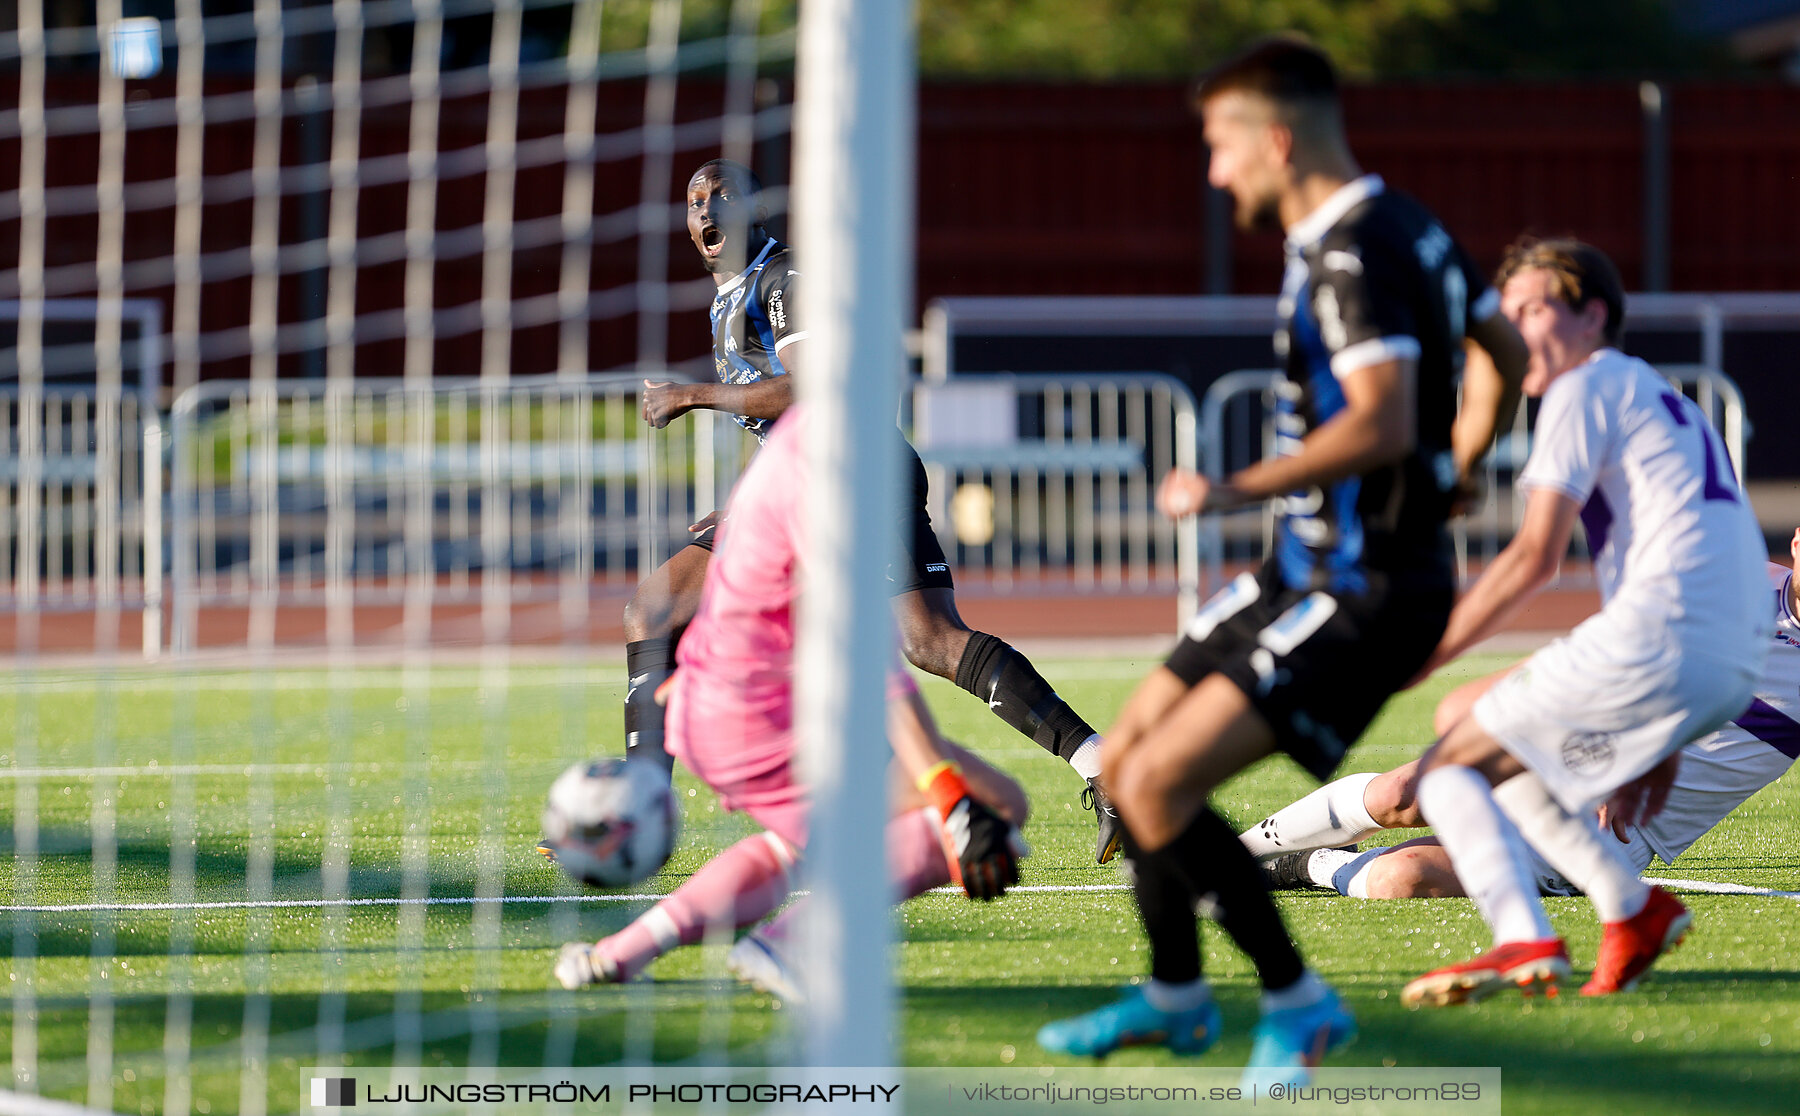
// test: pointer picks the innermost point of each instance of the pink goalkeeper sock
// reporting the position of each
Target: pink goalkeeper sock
(737, 888)
(916, 863)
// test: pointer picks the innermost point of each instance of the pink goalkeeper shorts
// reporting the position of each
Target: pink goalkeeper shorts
(745, 755)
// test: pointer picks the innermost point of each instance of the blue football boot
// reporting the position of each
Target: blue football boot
(1132, 1021)
(1290, 1043)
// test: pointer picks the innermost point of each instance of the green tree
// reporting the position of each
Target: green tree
(1092, 39)
(625, 24)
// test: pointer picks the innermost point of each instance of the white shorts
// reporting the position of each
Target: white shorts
(1596, 709)
(1719, 772)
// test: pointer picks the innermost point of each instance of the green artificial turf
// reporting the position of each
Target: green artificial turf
(358, 761)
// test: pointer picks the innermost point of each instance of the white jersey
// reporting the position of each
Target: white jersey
(1722, 769)
(1678, 646)
(1674, 543)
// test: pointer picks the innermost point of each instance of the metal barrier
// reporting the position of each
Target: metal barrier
(300, 493)
(1708, 318)
(1236, 429)
(80, 504)
(1055, 476)
(332, 496)
(305, 494)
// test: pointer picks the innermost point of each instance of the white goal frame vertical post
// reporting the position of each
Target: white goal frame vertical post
(853, 222)
(27, 571)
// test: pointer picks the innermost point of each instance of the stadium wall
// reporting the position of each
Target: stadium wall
(1027, 189)
(1099, 189)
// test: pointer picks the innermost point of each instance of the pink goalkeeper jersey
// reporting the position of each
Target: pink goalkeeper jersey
(737, 658)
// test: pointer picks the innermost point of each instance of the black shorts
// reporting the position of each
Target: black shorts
(924, 565)
(705, 539)
(1317, 666)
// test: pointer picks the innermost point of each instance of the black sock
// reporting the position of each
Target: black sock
(994, 672)
(1212, 860)
(648, 664)
(1166, 904)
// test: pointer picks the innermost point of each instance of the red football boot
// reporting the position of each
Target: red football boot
(1527, 966)
(1631, 945)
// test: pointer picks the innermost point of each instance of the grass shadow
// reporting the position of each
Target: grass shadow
(1553, 1066)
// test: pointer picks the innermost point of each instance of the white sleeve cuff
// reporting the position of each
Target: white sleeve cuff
(1486, 306)
(1376, 350)
(789, 340)
(1526, 482)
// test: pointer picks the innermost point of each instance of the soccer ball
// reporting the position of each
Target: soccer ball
(611, 822)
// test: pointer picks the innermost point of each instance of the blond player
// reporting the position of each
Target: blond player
(1675, 651)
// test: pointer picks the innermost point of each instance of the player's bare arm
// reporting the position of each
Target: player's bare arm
(1494, 362)
(913, 735)
(981, 840)
(1375, 428)
(1640, 800)
(918, 744)
(665, 401)
(1519, 571)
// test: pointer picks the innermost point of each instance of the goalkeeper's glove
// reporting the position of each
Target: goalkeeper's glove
(981, 845)
(582, 963)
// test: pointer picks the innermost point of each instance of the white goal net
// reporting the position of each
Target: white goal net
(325, 482)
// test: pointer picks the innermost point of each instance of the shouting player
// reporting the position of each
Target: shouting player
(1716, 775)
(730, 718)
(758, 343)
(1674, 652)
(1297, 658)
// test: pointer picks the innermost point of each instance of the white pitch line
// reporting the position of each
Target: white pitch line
(322, 767)
(518, 678)
(1042, 887)
(1715, 888)
(259, 904)
(441, 900)
(651, 897)
(246, 769)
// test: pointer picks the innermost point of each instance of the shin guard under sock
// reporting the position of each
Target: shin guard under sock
(1213, 860)
(1166, 904)
(1587, 857)
(1330, 816)
(648, 664)
(1489, 855)
(997, 674)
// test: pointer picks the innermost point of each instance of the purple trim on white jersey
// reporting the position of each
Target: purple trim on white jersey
(1596, 520)
(1771, 726)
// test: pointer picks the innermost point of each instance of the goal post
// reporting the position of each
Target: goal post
(405, 468)
(388, 431)
(853, 220)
